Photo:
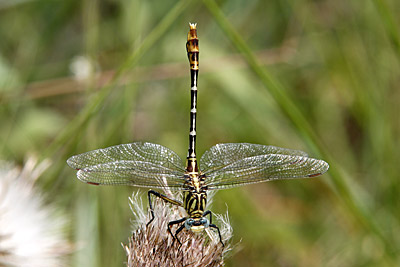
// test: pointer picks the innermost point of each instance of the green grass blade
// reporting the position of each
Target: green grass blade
(93, 106)
(391, 26)
(294, 114)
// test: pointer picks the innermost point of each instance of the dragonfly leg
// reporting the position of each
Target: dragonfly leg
(163, 197)
(170, 224)
(219, 233)
(208, 212)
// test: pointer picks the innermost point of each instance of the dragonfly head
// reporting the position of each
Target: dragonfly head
(197, 225)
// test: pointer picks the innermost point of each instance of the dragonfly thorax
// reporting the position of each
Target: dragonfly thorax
(195, 198)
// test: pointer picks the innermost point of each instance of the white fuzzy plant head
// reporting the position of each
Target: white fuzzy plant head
(31, 233)
(152, 245)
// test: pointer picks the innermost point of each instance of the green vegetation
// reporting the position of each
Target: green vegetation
(320, 76)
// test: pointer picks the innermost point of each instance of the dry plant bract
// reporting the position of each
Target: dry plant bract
(152, 245)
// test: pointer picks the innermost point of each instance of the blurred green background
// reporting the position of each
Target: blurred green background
(320, 76)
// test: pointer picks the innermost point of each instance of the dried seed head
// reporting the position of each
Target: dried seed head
(31, 233)
(152, 245)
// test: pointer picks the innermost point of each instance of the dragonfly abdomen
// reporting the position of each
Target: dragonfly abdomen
(192, 48)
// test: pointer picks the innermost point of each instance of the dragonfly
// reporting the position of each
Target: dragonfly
(153, 166)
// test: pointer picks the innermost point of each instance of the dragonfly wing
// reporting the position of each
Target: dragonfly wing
(222, 155)
(136, 164)
(133, 173)
(248, 167)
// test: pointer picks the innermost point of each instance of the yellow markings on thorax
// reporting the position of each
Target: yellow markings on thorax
(195, 199)
(195, 204)
(196, 182)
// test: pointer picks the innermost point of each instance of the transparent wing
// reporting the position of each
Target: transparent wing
(230, 165)
(222, 155)
(136, 164)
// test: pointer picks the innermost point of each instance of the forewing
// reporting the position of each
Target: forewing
(136, 164)
(247, 167)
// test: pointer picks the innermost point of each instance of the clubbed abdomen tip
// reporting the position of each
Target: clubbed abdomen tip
(192, 25)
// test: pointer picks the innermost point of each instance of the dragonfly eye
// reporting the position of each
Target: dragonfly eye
(189, 223)
(204, 221)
